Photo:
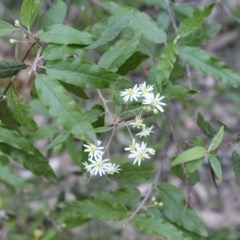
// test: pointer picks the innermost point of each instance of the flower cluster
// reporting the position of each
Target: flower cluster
(145, 94)
(138, 151)
(96, 164)
(151, 102)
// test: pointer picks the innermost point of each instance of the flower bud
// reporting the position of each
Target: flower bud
(17, 23)
(37, 233)
(13, 41)
(160, 204)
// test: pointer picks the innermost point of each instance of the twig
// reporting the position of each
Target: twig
(179, 150)
(111, 137)
(147, 196)
(171, 15)
(228, 11)
(32, 36)
(2, 97)
(104, 101)
(131, 118)
(36, 60)
(28, 51)
(99, 4)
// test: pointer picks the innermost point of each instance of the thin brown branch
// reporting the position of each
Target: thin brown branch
(229, 11)
(146, 198)
(98, 3)
(131, 118)
(10, 83)
(171, 15)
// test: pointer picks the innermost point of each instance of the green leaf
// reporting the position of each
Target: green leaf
(10, 178)
(177, 73)
(236, 165)
(140, 22)
(127, 197)
(96, 115)
(226, 128)
(144, 24)
(6, 116)
(63, 34)
(77, 91)
(205, 126)
(201, 36)
(190, 24)
(22, 151)
(215, 166)
(191, 178)
(6, 28)
(165, 64)
(192, 166)
(185, 10)
(63, 107)
(9, 69)
(119, 53)
(110, 28)
(206, 63)
(178, 91)
(54, 51)
(84, 74)
(131, 174)
(132, 62)
(20, 110)
(55, 14)
(102, 129)
(174, 208)
(29, 10)
(153, 225)
(59, 139)
(78, 212)
(216, 141)
(189, 155)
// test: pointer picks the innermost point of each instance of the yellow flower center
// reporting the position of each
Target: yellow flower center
(139, 122)
(130, 92)
(140, 155)
(92, 148)
(154, 102)
(98, 164)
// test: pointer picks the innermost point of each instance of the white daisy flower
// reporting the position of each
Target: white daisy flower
(99, 166)
(130, 94)
(139, 154)
(87, 166)
(95, 151)
(138, 122)
(113, 168)
(145, 89)
(145, 132)
(150, 151)
(154, 102)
